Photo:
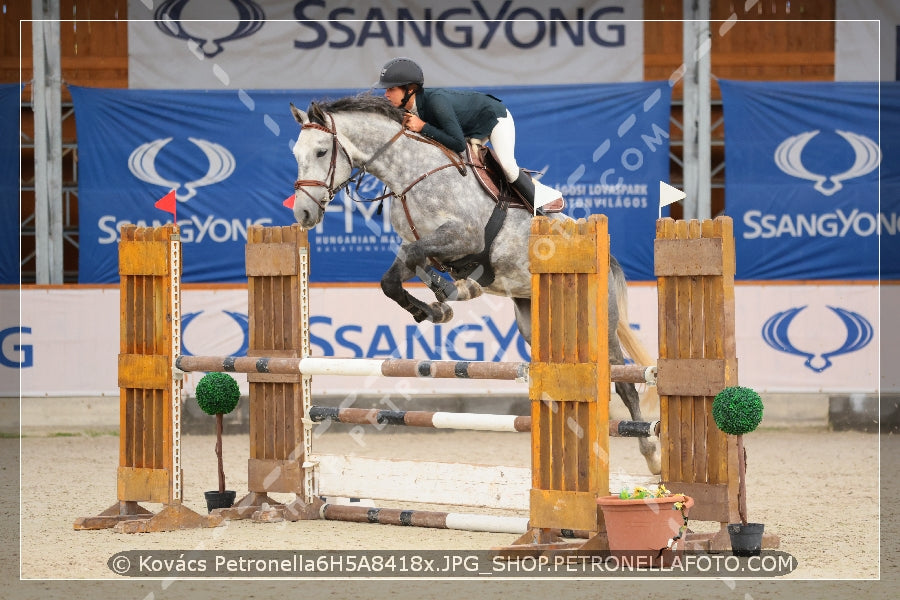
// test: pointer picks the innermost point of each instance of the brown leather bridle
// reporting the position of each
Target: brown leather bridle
(300, 185)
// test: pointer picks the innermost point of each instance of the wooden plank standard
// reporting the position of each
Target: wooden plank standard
(275, 330)
(149, 455)
(697, 359)
(569, 389)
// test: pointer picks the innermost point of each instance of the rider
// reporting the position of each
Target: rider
(451, 116)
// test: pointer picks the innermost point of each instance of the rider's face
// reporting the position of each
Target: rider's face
(395, 95)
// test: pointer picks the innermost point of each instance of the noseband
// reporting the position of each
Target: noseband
(301, 184)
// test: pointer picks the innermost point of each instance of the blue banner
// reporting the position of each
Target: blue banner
(228, 156)
(10, 96)
(802, 182)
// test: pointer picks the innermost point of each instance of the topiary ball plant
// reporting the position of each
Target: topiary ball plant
(218, 394)
(738, 410)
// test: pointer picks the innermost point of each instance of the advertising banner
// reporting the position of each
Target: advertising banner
(277, 44)
(866, 45)
(812, 183)
(791, 338)
(10, 97)
(228, 157)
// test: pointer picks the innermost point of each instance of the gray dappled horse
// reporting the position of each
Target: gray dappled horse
(441, 216)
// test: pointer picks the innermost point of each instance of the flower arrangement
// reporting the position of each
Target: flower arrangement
(640, 492)
(654, 499)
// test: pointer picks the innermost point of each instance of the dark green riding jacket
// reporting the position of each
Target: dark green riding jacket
(451, 116)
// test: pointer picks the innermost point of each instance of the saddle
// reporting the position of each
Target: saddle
(490, 175)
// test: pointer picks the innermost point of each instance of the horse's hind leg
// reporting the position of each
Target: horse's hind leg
(522, 307)
(392, 286)
(627, 392)
(649, 446)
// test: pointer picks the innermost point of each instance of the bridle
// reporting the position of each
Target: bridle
(302, 184)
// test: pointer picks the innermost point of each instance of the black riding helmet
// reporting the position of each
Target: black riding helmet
(400, 71)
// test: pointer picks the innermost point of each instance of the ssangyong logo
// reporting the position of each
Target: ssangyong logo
(250, 18)
(859, 334)
(788, 158)
(213, 326)
(142, 164)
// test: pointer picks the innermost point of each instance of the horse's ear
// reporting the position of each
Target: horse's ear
(316, 114)
(300, 116)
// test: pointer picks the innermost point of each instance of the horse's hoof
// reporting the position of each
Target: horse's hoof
(654, 462)
(440, 312)
(468, 289)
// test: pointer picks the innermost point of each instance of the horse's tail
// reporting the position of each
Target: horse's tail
(634, 348)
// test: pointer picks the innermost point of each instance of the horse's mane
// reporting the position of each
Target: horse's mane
(365, 102)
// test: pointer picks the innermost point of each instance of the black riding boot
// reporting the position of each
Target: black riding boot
(525, 186)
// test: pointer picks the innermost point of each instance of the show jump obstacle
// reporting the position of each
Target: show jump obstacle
(150, 394)
(569, 388)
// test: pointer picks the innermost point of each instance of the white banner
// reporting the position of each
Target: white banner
(790, 338)
(321, 44)
(865, 40)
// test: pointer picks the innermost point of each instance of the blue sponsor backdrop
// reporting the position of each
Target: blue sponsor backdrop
(228, 155)
(802, 179)
(10, 95)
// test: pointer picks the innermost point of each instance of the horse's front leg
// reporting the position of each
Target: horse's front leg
(392, 286)
(448, 240)
(445, 289)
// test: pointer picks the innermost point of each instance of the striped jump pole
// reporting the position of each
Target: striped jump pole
(392, 367)
(356, 513)
(424, 518)
(452, 420)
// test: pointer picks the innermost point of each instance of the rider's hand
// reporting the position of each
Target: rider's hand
(412, 122)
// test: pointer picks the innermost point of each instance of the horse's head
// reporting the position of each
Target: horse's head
(323, 165)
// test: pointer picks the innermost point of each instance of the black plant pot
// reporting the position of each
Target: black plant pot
(216, 499)
(746, 540)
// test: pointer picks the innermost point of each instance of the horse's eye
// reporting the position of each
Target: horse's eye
(321, 153)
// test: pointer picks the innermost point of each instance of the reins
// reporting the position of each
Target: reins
(455, 161)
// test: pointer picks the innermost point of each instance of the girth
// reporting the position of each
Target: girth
(466, 266)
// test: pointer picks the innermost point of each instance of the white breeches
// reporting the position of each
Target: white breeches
(503, 139)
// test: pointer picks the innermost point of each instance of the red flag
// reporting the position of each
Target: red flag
(169, 204)
(289, 202)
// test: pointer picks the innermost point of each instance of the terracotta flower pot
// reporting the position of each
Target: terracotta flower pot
(640, 530)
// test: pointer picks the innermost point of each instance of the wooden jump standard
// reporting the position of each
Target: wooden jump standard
(150, 396)
(695, 269)
(695, 266)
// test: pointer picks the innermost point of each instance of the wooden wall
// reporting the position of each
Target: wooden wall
(92, 53)
(770, 40)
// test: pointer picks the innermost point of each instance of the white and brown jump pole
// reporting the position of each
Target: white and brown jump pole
(569, 377)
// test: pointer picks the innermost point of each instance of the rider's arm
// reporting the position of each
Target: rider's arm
(442, 124)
